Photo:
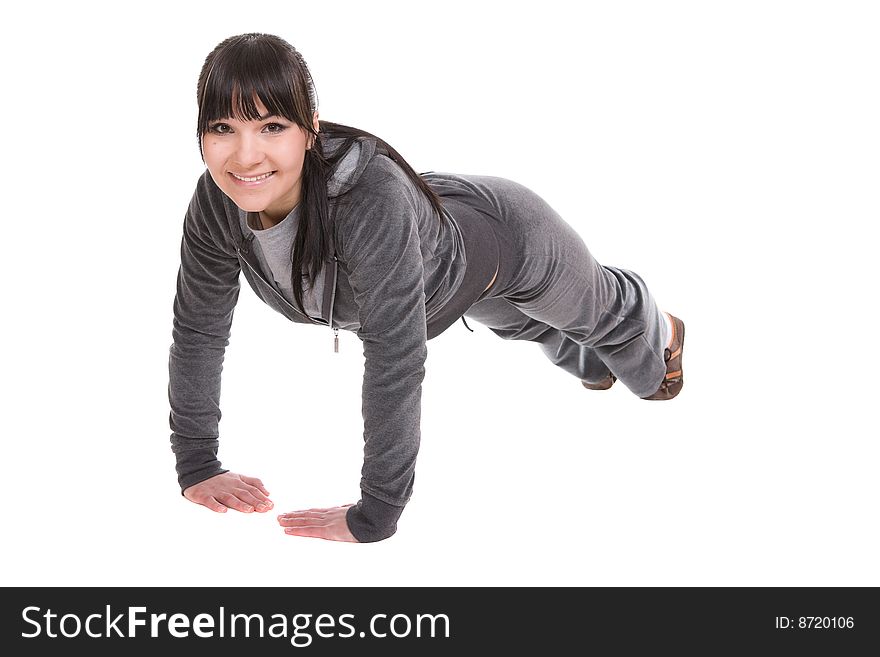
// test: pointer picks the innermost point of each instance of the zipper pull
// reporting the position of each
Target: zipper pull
(336, 340)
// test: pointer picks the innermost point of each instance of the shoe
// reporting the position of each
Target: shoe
(604, 384)
(674, 379)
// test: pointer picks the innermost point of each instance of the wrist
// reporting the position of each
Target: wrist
(371, 519)
(196, 461)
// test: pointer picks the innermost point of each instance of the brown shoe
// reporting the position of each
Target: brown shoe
(674, 380)
(604, 384)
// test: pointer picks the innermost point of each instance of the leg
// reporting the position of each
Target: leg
(548, 274)
(612, 313)
(508, 322)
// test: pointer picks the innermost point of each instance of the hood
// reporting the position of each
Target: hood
(348, 170)
(342, 177)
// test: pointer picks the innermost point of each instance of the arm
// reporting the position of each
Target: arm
(207, 292)
(381, 252)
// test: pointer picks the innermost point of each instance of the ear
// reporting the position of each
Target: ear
(315, 125)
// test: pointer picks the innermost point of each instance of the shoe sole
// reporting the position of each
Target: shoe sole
(604, 384)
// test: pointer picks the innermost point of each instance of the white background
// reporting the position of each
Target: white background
(727, 152)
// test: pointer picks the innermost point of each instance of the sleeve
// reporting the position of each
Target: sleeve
(207, 292)
(382, 255)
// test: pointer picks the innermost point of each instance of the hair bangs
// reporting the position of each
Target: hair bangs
(246, 71)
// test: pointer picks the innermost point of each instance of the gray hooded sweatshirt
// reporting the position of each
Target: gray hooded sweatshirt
(399, 277)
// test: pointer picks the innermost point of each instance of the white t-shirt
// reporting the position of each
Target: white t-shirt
(272, 247)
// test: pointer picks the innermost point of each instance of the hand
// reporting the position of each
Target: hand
(328, 524)
(230, 491)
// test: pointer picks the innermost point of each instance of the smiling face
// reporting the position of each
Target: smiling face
(258, 164)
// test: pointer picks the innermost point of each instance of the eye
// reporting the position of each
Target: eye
(220, 128)
(274, 128)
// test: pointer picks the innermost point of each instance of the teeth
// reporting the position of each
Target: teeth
(254, 179)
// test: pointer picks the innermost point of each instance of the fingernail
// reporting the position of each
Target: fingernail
(261, 507)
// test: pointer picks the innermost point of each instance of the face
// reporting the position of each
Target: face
(258, 164)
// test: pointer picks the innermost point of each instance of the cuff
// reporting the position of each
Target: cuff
(372, 520)
(196, 463)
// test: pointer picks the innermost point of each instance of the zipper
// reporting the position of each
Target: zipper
(332, 299)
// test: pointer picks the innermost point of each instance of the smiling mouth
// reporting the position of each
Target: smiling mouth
(262, 176)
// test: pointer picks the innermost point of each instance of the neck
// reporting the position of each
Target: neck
(271, 216)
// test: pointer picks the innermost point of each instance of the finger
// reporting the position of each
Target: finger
(308, 522)
(293, 520)
(311, 511)
(253, 481)
(302, 514)
(257, 499)
(329, 532)
(214, 505)
(336, 516)
(254, 498)
(310, 531)
(233, 502)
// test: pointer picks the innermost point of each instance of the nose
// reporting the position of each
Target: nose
(247, 153)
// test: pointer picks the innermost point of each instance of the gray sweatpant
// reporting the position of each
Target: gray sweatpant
(589, 319)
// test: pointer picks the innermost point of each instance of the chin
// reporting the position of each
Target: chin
(245, 203)
(249, 207)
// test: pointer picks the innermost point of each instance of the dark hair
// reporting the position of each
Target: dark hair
(249, 66)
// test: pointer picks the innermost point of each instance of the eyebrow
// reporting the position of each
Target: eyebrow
(260, 118)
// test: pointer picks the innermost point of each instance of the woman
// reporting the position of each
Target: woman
(393, 255)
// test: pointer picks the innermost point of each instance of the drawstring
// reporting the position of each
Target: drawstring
(466, 325)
